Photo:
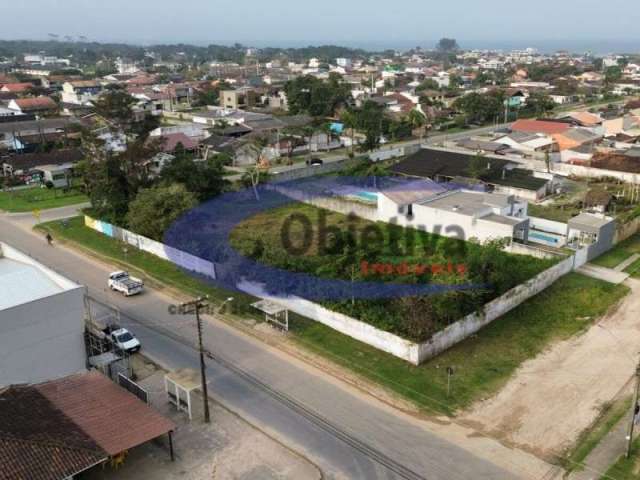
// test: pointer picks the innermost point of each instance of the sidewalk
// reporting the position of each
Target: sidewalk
(605, 454)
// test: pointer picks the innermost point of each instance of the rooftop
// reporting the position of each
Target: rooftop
(24, 280)
(468, 203)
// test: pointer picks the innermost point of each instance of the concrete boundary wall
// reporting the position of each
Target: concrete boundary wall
(335, 204)
(626, 230)
(312, 171)
(412, 352)
(591, 172)
(416, 353)
(173, 255)
(473, 322)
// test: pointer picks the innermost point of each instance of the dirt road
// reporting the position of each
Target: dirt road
(556, 395)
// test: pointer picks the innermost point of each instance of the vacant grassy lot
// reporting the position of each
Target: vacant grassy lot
(619, 253)
(482, 363)
(36, 198)
(333, 245)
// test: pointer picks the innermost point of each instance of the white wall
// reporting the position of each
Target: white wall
(470, 324)
(427, 219)
(43, 339)
(413, 352)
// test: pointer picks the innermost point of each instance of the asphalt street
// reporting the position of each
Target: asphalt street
(346, 434)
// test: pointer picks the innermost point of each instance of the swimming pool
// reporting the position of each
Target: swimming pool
(369, 197)
(543, 237)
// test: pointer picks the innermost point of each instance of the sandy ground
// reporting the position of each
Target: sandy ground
(226, 449)
(555, 396)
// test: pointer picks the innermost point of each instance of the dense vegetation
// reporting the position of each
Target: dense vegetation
(340, 254)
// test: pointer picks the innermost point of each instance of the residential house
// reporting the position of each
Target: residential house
(34, 106)
(575, 137)
(460, 214)
(80, 91)
(545, 127)
(21, 87)
(528, 143)
(497, 175)
(55, 166)
(238, 99)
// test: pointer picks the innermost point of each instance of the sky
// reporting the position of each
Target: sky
(546, 24)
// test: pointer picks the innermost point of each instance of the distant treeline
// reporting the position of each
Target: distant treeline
(86, 53)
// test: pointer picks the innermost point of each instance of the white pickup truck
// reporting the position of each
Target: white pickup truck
(125, 284)
(125, 340)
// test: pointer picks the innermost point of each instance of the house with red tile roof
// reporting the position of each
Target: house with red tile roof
(37, 105)
(16, 87)
(57, 429)
(540, 126)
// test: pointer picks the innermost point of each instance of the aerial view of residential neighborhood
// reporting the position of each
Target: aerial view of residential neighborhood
(291, 241)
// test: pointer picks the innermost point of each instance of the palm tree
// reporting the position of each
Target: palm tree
(417, 120)
(349, 120)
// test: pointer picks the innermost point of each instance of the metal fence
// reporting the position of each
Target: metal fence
(133, 387)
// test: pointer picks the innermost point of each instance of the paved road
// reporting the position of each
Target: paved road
(362, 439)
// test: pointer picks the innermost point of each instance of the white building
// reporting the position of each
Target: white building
(343, 62)
(460, 214)
(41, 321)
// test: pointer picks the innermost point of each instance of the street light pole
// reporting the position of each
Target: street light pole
(634, 412)
(203, 374)
(197, 304)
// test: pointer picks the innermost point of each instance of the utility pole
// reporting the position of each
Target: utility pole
(194, 307)
(634, 412)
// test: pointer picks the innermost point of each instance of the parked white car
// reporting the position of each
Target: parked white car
(124, 340)
(124, 283)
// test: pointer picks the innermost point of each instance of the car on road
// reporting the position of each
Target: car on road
(125, 340)
(124, 283)
(315, 162)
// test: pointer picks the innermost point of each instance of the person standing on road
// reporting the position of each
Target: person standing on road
(49, 239)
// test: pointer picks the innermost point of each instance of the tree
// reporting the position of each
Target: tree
(112, 180)
(541, 103)
(400, 129)
(155, 209)
(349, 119)
(307, 94)
(115, 105)
(479, 107)
(204, 179)
(612, 75)
(427, 84)
(417, 120)
(370, 119)
(447, 45)
(477, 164)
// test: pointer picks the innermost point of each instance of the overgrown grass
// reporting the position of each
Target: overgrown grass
(35, 198)
(332, 245)
(484, 362)
(619, 253)
(557, 213)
